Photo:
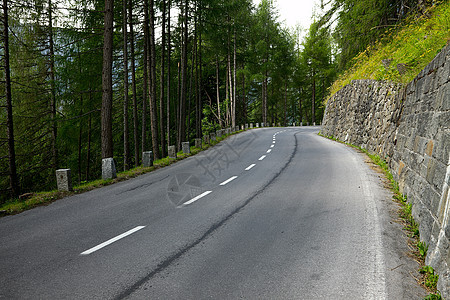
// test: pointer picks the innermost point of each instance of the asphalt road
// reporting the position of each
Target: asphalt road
(274, 213)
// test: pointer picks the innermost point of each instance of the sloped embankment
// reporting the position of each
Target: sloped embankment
(408, 126)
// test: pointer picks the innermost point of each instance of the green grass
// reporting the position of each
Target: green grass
(16, 206)
(414, 43)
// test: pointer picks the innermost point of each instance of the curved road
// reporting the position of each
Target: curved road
(273, 213)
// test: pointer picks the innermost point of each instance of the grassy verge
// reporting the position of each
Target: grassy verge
(412, 45)
(418, 249)
(32, 200)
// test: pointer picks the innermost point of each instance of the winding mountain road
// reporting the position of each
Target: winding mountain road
(270, 213)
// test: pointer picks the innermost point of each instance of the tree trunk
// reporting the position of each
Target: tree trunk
(313, 104)
(151, 70)
(107, 96)
(13, 180)
(145, 92)
(218, 91)
(244, 99)
(161, 97)
(80, 135)
(52, 86)
(168, 72)
(126, 144)
(300, 105)
(233, 113)
(88, 155)
(285, 102)
(182, 125)
(199, 93)
(133, 86)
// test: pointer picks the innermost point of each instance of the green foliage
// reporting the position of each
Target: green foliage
(430, 280)
(423, 248)
(413, 44)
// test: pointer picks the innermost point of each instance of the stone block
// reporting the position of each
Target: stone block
(206, 139)
(172, 152)
(219, 133)
(212, 136)
(198, 143)
(147, 159)
(64, 180)
(246, 126)
(108, 168)
(185, 147)
(251, 125)
(257, 125)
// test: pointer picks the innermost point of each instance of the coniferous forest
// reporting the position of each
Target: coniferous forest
(82, 80)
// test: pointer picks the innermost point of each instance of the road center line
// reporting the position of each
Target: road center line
(228, 180)
(270, 150)
(108, 242)
(249, 167)
(262, 157)
(272, 146)
(197, 198)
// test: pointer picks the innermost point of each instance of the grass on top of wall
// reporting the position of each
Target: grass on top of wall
(412, 44)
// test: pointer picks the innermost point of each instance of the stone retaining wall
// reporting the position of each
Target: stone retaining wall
(410, 128)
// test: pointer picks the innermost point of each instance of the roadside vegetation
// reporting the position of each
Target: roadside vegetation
(404, 49)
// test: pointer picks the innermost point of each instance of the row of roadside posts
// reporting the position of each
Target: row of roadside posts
(64, 178)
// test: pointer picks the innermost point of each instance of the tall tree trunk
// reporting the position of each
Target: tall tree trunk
(133, 86)
(264, 100)
(168, 71)
(182, 125)
(300, 105)
(313, 104)
(200, 86)
(80, 136)
(233, 122)
(178, 104)
(13, 180)
(151, 70)
(126, 143)
(88, 154)
(195, 67)
(80, 125)
(52, 86)
(145, 92)
(218, 91)
(162, 126)
(107, 96)
(285, 102)
(244, 99)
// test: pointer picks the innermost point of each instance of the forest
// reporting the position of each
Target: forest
(82, 80)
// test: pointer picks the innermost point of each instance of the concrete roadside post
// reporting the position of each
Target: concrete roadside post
(186, 148)
(147, 159)
(198, 143)
(108, 168)
(172, 152)
(64, 180)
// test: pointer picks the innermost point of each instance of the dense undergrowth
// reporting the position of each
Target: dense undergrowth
(404, 51)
